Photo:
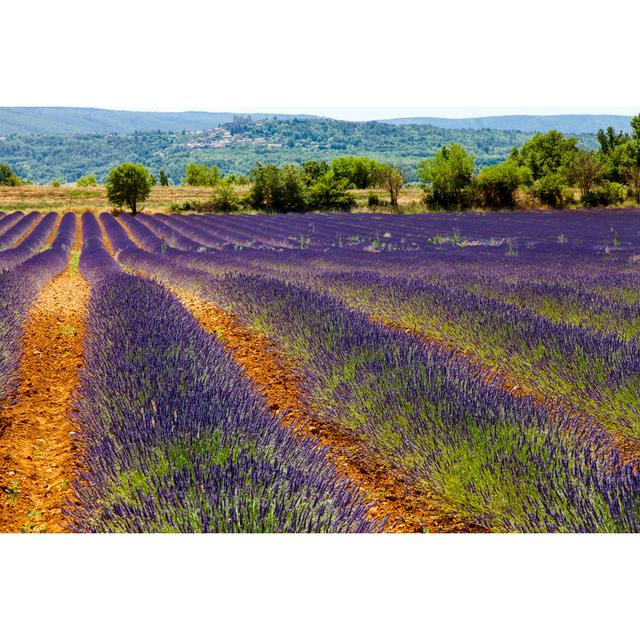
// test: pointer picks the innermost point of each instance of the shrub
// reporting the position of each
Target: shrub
(550, 190)
(277, 189)
(224, 198)
(329, 193)
(7, 177)
(199, 175)
(608, 193)
(497, 185)
(447, 178)
(87, 181)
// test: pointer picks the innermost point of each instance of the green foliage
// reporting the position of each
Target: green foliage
(546, 153)
(277, 189)
(87, 181)
(329, 193)
(41, 158)
(7, 177)
(447, 177)
(585, 172)
(358, 171)
(199, 175)
(56, 184)
(163, 178)
(550, 189)
(626, 157)
(224, 199)
(605, 194)
(128, 184)
(314, 170)
(609, 140)
(389, 177)
(497, 185)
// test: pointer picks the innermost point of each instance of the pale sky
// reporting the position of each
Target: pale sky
(456, 58)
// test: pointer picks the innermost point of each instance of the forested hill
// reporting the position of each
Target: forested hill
(236, 146)
(60, 120)
(570, 123)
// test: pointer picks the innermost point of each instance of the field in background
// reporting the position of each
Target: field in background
(71, 198)
(79, 199)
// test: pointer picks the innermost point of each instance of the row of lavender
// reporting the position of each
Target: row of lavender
(18, 289)
(502, 462)
(418, 232)
(174, 436)
(574, 341)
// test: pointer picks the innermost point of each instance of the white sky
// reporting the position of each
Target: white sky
(401, 58)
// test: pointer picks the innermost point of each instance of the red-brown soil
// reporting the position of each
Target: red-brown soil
(405, 508)
(38, 459)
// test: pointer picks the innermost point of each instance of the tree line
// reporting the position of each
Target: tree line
(549, 168)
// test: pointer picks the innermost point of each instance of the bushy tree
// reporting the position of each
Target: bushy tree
(585, 172)
(497, 185)
(626, 158)
(128, 184)
(87, 181)
(163, 178)
(390, 178)
(329, 193)
(277, 189)
(550, 189)
(546, 153)
(224, 198)
(358, 171)
(199, 175)
(447, 177)
(7, 177)
(314, 170)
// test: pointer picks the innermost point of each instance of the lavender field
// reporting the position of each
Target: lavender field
(344, 372)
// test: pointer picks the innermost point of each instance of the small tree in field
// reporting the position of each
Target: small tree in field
(390, 178)
(128, 184)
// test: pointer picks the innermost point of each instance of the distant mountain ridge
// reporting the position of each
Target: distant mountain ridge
(568, 123)
(80, 120)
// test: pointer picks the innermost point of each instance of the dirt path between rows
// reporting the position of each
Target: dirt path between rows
(407, 509)
(37, 452)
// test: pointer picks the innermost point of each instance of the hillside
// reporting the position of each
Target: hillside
(236, 147)
(61, 120)
(73, 120)
(570, 123)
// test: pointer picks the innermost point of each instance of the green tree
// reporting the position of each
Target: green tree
(128, 184)
(277, 189)
(163, 178)
(497, 184)
(546, 153)
(329, 193)
(314, 170)
(390, 178)
(224, 198)
(87, 181)
(199, 175)
(550, 188)
(626, 158)
(609, 140)
(447, 177)
(7, 177)
(585, 172)
(359, 171)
